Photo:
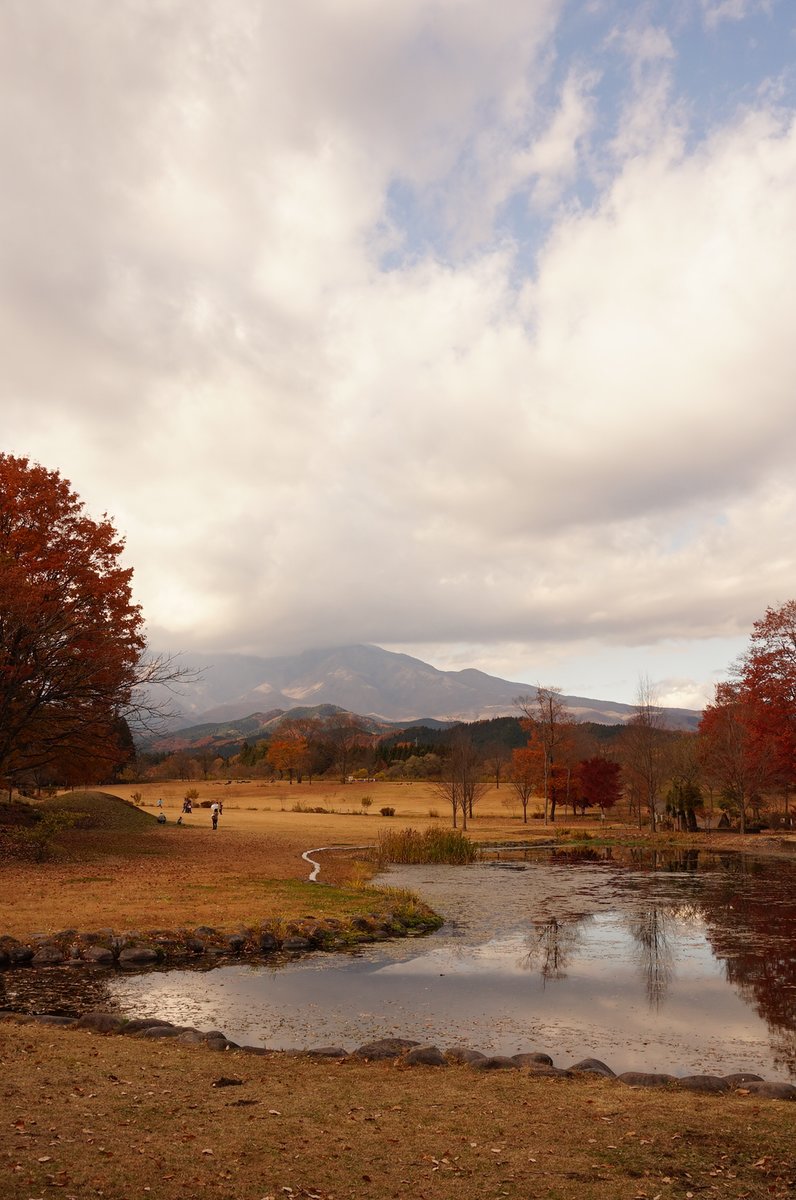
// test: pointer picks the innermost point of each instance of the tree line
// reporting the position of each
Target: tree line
(76, 674)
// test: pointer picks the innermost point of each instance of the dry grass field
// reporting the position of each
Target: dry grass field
(250, 869)
(247, 871)
(86, 1115)
(89, 1115)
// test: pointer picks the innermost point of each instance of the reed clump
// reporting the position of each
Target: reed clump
(424, 846)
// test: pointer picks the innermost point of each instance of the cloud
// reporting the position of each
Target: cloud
(262, 301)
(716, 11)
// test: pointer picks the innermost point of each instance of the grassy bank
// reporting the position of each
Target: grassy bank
(115, 1117)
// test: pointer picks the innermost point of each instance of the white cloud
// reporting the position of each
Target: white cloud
(716, 11)
(304, 446)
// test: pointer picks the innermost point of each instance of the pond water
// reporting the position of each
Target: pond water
(684, 963)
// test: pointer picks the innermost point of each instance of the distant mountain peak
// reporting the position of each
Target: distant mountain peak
(381, 684)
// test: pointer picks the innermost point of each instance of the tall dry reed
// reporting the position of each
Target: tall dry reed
(429, 846)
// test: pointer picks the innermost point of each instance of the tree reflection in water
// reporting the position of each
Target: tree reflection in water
(651, 929)
(551, 945)
(749, 909)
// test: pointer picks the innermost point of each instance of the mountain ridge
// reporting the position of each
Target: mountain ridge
(379, 684)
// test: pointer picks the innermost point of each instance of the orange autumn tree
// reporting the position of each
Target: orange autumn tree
(288, 756)
(526, 775)
(71, 638)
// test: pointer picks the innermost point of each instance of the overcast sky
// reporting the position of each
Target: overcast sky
(464, 327)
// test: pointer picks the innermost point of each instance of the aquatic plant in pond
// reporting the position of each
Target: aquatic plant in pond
(427, 846)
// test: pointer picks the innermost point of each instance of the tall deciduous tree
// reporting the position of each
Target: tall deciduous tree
(731, 752)
(546, 716)
(643, 748)
(766, 676)
(461, 783)
(72, 646)
(526, 775)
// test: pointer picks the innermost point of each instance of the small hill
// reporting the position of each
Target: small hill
(99, 810)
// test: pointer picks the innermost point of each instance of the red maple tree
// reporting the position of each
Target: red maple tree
(599, 782)
(767, 681)
(71, 638)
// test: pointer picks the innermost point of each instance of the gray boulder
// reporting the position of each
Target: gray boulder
(771, 1091)
(134, 956)
(464, 1054)
(532, 1060)
(496, 1062)
(384, 1048)
(100, 955)
(424, 1056)
(101, 1022)
(48, 956)
(136, 1024)
(18, 955)
(704, 1083)
(593, 1066)
(297, 943)
(643, 1079)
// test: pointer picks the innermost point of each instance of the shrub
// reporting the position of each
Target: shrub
(387, 811)
(40, 840)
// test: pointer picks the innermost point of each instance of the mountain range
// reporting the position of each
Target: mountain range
(371, 682)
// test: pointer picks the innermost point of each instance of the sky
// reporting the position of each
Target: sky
(459, 327)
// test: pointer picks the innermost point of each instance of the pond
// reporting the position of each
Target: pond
(682, 963)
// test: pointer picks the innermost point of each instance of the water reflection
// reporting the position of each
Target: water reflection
(551, 945)
(652, 932)
(646, 960)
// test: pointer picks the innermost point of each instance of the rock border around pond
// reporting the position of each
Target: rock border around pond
(133, 948)
(406, 1053)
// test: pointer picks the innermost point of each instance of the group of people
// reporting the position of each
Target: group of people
(216, 809)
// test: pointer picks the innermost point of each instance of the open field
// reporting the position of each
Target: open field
(251, 868)
(87, 1115)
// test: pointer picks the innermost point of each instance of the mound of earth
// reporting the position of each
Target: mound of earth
(99, 810)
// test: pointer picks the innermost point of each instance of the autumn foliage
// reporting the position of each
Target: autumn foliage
(748, 735)
(599, 783)
(70, 635)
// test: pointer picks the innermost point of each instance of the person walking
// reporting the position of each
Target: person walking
(214, 814)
